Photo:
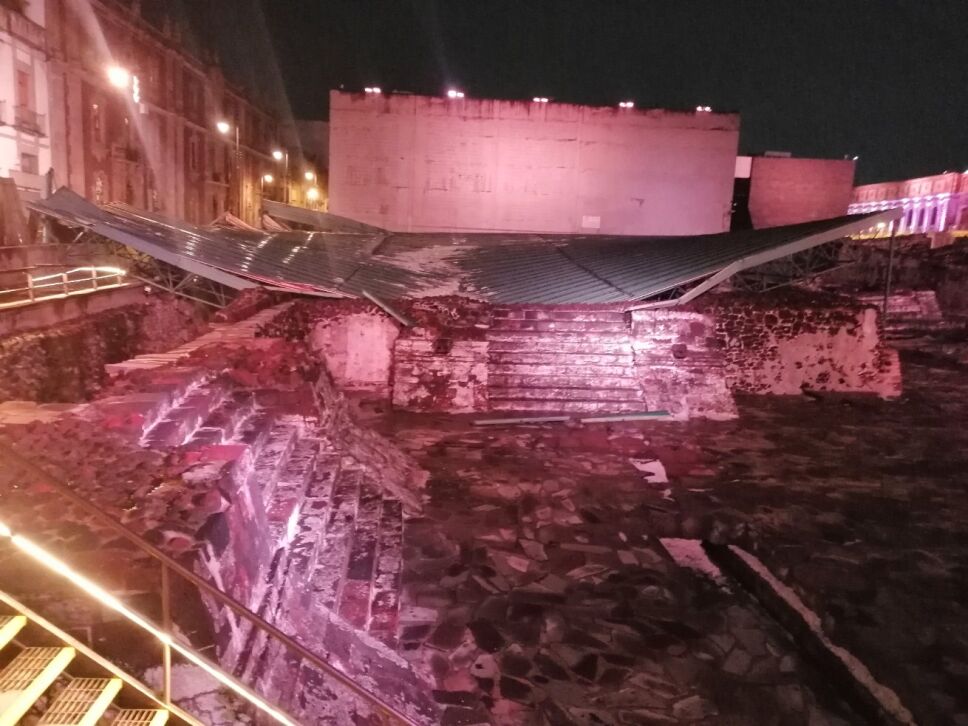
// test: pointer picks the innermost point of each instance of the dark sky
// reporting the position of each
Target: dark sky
(884, 79)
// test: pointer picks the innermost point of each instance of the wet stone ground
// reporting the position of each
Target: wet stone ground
(537, 590)
(538, 587)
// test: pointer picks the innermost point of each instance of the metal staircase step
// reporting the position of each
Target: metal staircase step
(82, 703)
(141, 717)
(10, 625)
(26, 677)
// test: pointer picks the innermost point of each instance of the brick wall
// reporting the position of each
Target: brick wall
(790, 191)
(783, 343)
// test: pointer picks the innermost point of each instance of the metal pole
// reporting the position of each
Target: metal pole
(238, 169)
(889, 278)
(94, 277)
(31, 293)
(64, 283)
(166, 627)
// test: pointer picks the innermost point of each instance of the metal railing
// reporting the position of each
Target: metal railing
(79, 280)
(133, 683)
(165, 634)
(27, 119)
(20, 26)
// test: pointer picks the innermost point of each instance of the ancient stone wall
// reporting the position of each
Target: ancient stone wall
(792, 341)
(66, 362)
(440, 374)
(680, 362)
(462, 356)
(916, 267)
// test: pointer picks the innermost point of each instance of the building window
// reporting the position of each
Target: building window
(97, 125)
(25, 88)
(28, 164)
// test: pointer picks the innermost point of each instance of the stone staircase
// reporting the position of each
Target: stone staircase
(562, 361)
(323, 542)
(909, 310)
(240, 333)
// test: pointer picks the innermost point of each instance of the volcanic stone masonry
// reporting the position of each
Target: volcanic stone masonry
(463, 356)
(65, 362)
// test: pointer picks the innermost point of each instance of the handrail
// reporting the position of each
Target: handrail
(168, 643)
(102, 662)
(228, 601)
(92, 279)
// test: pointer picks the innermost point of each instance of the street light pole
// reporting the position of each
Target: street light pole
(238, 171)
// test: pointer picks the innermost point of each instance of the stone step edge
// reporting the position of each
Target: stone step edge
(875, 700)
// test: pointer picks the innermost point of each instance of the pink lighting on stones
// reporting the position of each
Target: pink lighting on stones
(453, 93)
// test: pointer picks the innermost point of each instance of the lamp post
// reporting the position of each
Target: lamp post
(280, 155)
(129, 86)
(225, 128)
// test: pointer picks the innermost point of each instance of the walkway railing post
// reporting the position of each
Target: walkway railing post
(64, 283)
(167, 629)
(31, 293)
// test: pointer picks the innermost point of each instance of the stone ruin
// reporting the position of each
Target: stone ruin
(242, 453)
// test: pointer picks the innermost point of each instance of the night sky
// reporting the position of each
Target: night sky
(883, 79)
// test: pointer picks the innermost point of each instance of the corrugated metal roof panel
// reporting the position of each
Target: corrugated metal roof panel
(504, 268)
(323, 221)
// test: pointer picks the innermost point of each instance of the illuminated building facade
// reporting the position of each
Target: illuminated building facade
(24, 133)
(138, 118)
(932, 205)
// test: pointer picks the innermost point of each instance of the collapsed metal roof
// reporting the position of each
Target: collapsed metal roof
(499, 268)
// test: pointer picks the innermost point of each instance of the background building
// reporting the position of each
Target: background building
(137, 117)
(25, 153)
(418, 163)
(932, 204)
(777, 189)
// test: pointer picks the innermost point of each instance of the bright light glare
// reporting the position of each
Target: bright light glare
(119, 77)
(223, 127)
(312, 194)
(454, 93)
(277, 155)
(626, 104)
(268, 178)
(540, 99)
(105, 598)
(309, 176)
(704, 109)
(373, 89)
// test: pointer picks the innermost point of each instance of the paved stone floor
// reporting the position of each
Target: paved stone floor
(538, 587)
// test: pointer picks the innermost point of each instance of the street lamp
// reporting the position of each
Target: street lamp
(118, 77)
(310, 176)
(279, 155)
(312, 194)
(225, 128)
(263, 180)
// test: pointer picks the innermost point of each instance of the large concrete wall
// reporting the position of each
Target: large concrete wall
(789, 191)
(416, 163)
